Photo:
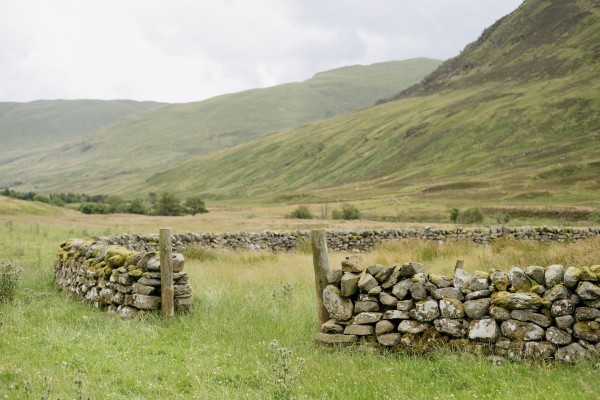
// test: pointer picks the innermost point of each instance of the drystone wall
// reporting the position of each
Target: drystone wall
(358, 240)
(119, 278)
(545, 313)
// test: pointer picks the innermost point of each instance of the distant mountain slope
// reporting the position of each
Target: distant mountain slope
(512, 118)
(26, 125)
(147, 143)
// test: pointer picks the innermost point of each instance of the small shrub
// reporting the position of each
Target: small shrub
(454, 214)
(302, 212)
(284, 292)
(348, 211)
(10, 274)
(502, 218)
(471, 216)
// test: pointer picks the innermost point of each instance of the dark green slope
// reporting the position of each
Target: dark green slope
(514, 129)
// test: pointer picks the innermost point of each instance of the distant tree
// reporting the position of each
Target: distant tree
(41, 198)
(136, 207)
(168, 204)
(302, 212)
(152, 198)
(471, 216)
(348, 211)
(194, 205)
(454, 214)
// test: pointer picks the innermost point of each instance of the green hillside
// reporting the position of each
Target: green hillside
(513, 119)
(38, 123)
(138, 147)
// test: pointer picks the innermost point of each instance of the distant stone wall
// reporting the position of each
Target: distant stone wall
(537, 312)
(358, 240)
(122, 279)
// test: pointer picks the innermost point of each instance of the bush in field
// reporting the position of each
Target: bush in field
(168, 204)
(470, 216)
(454, 214)
(194, 205)
(302, 212)
(348, 211)
(10, 274)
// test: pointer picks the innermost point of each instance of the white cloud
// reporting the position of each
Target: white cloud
(185, 50)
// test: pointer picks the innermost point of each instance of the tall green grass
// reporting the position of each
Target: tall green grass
(54, 347)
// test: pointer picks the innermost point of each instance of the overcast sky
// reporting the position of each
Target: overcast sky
(189, 50)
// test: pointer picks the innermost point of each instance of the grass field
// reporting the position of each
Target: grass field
(52, 347)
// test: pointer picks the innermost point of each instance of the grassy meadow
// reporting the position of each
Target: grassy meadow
(250, 333)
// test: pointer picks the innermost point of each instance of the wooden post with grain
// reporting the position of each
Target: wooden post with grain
(321, 266)
(167, 305)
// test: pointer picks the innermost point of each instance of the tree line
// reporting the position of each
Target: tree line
(164, 204)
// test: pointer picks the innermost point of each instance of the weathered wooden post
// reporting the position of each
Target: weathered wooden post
(167, 307)
(321, 266)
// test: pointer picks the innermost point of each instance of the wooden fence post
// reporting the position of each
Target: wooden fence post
(167, 307)
(321, 267)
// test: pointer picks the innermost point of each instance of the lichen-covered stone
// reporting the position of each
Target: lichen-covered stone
(349, 284)
(484, 330)
(562, 307)
(479, 281)
(417, 291)
(558, 336)
(396, 314)
(588, 291)
(144, 302)
(454, 327)
(365, 306)
(589, 331)
(554, 275)
(448, 292)
(536, 273)
(530, 316)
(440, 281)
(451, 308)
(339, 307)
(138, 288)
(388, 299)
(359, 330)
(499, 280)
(383, 274)
(476, 309)
(480, 294)
(518, 330)
(461, 279)
(518, 301)
(332, 326)
(539, 350)
(401, 289)
(499, 313)
(565, 321)
(518, 280)
(571, 277)
(384, 326)
(571, 353)
(411, 326)
(353, 264)
(334, 276)
(425, 311)
(557, 292)
(389, 339)
(586, 314)
(405, 305)
(375, 268)
(367, 282)
(367, 318)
